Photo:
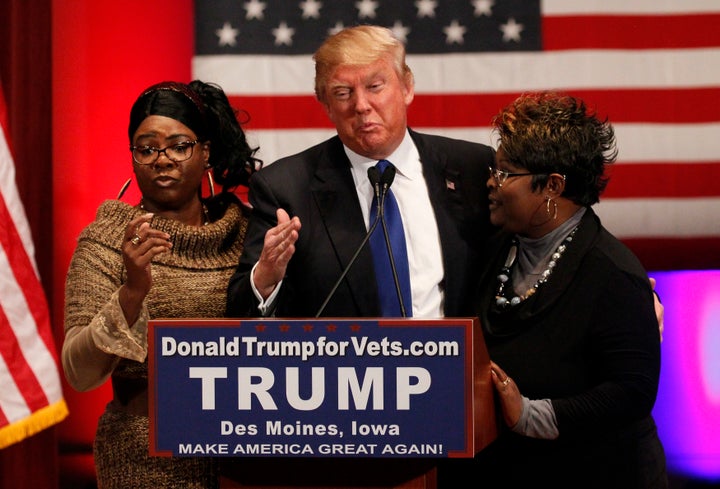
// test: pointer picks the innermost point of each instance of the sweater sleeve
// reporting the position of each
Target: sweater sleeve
(97, 335)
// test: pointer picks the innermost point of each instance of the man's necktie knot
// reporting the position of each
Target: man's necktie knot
(382, 165)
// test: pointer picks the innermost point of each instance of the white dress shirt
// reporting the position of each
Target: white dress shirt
(421, 232)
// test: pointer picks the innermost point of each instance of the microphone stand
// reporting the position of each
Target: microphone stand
(386, 180)
(374, 177)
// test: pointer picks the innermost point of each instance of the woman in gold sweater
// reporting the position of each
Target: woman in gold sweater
(168, 256)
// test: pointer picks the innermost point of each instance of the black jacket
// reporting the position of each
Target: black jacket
(317, 186)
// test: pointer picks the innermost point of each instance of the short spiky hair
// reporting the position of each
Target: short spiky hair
(552, 132)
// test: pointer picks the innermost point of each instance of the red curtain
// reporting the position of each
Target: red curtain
(70, 72)
(104, 55)
(25, 75)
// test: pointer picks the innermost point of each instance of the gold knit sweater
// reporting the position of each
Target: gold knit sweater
(188, 282)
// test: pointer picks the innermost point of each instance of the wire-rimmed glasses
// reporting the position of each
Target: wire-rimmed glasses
(501, 176)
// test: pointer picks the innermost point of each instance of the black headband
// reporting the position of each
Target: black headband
(179, 88)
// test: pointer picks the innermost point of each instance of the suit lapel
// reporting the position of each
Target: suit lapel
(335, 197)
(441, 187)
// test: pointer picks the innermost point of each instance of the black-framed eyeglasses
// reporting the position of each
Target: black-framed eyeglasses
(501, 176)
(177, 153)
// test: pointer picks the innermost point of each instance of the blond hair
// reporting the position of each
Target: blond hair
(359, 45)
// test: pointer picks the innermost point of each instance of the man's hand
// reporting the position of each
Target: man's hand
(278, 248)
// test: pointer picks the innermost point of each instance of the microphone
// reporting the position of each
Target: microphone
(374, 177)
(387, 178)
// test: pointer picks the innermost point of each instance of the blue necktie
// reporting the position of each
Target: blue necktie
(389, 303)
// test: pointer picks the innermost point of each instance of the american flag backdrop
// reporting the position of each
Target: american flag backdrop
(651, 66)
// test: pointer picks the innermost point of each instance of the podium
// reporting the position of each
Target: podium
(325, 403)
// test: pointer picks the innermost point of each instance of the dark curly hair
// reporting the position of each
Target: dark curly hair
(204, 108)
(551, 132)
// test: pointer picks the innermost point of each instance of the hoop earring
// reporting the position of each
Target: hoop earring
(211, 183)
(123, 188)
(555, 207)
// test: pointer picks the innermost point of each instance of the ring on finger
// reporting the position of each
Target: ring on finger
(506, 381)
(136, 240)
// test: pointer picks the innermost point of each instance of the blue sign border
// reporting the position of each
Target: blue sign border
(312, 388)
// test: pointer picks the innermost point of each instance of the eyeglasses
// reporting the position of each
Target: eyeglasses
(500, 176)
(177, 153)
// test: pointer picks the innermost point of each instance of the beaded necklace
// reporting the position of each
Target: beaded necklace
(500, 299)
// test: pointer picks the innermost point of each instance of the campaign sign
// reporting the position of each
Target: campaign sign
(311, 388)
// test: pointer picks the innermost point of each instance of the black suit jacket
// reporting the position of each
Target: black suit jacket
(317, 186)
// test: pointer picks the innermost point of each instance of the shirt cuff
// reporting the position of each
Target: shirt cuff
(266, 307)
(537, 420)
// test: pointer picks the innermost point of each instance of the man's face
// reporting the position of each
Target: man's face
(368, 105)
